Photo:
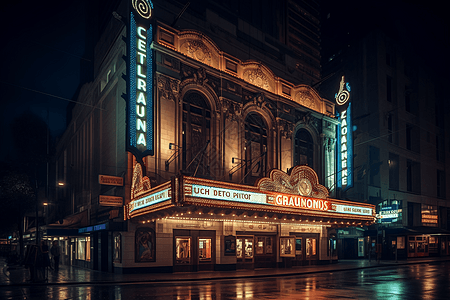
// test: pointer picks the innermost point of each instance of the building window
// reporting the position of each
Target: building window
(407, 99)
(374, 161)
(84, 248)
(393, 171)
(440, 183)
(390, 127)
(255, 148)
(413, 176)
(196, 134)
(408, 136)
(304, 148)
(389, 89)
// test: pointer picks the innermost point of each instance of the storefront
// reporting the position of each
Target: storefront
(192, 224)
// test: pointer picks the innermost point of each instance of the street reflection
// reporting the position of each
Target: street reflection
(415, 281)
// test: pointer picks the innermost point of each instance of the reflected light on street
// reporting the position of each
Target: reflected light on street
(243, 291)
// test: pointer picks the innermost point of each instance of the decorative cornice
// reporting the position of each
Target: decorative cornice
(302, 180)
(199, 47)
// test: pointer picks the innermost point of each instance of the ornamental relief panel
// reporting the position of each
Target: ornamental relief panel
(286, 129)
(232, 111)
(196, 49)
(168, 89)
(259, 79)
(306, 99)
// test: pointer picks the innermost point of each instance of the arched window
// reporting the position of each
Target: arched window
(255, 148)
(196, 134)
(304, 148)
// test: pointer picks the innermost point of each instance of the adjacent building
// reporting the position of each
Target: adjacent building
(400, 132)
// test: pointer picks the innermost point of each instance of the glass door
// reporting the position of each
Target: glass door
(244, 250)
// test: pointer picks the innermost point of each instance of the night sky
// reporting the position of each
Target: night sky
(42, 50)
(43, 53)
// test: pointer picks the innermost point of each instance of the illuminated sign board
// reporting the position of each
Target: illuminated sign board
(140, 76)
(209, 192)
(430, 219)
(150, 199)
(105, 200)
(276, 199)
(110, 180)
(349, 209)
(344, 137)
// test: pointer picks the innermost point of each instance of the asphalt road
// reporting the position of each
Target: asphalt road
(418, 281)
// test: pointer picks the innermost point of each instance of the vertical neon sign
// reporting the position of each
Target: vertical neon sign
(140, 86)
(344, 137)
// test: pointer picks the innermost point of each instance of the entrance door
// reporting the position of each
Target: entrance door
(265, 252)
(244, 252)
(311, 249)
(194, 250)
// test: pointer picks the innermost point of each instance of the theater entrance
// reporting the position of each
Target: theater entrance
(255, 251)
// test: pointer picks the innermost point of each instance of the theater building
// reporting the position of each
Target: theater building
(220, 152)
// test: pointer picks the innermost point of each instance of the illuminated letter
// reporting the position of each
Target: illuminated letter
(140, 111)
(141, 85)
(141, 125)
(141, 98)
(140, 31)
(141, 45)
(291, 201)
(141, 140)
(279, 200)
(139, 71)
(142, 56)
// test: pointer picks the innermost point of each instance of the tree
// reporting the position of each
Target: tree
(17, 197)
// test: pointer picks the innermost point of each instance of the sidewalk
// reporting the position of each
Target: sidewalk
(16, 275)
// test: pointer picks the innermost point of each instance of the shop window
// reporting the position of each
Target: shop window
(204, 249)
(259, 247)
(255, 148)
(196, 134)
(244, 248)
(183, 250)
(287, 245)
(412, 247)
(83, 248)
(311, 247)
(304, 148)
(400, 242)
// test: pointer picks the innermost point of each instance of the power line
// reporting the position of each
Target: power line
(50, 95)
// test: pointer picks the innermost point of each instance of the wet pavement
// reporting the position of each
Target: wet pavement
(16, 275)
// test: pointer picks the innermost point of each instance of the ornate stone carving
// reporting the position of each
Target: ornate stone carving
(232, 111)
(257, 77)
(302, 180)
(197, 50)
(286, 129)
(168, 88)
(306, 99)
(328, 143)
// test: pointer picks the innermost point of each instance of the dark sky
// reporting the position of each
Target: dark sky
(42, 48)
